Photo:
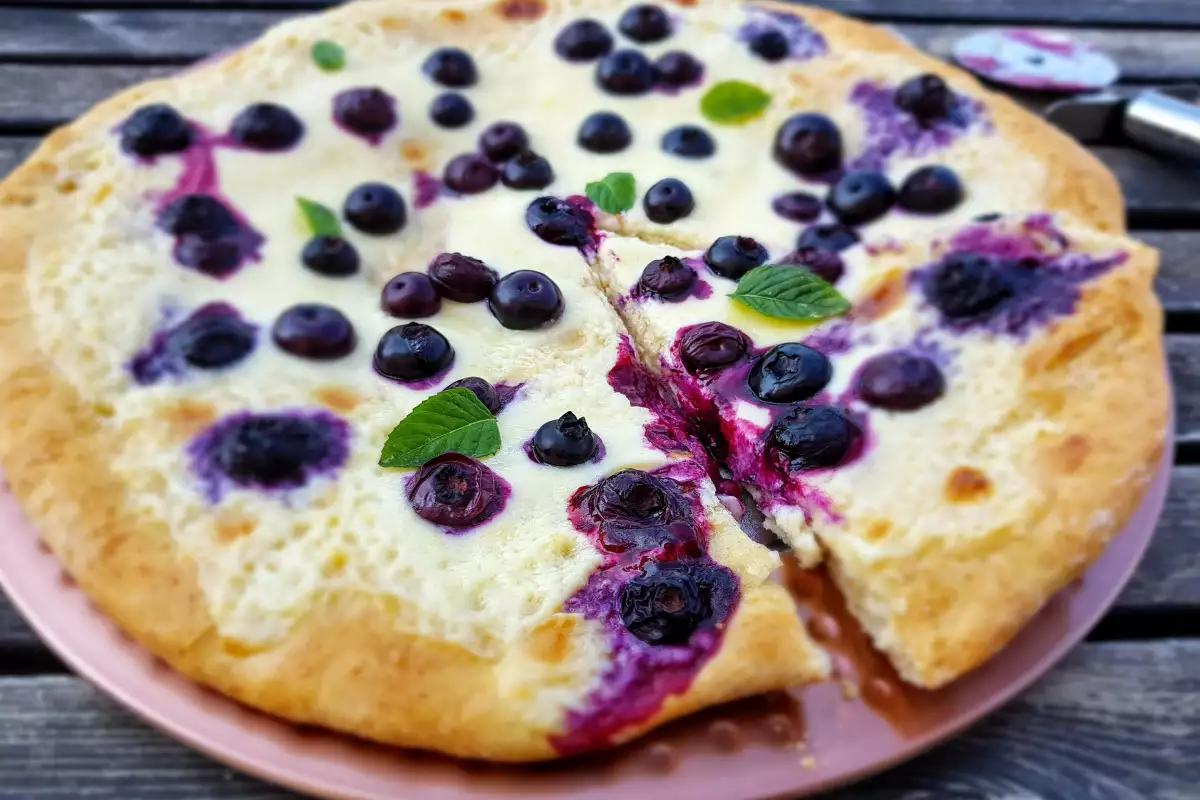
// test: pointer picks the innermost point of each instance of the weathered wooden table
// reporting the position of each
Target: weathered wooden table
(1120, 718)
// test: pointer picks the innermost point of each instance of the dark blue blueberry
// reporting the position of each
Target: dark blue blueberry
(500, 141)
(667, 277)
(217, 258)
(861, 197)
(645, 23)
(813, 437)
(930, 190)
(604, 132)
(274, 451)
(667, 603)
(711, 346)
(689, 141)
(314, 331)
(926, 97)
(486, 393)
(668, 200)
(154, 130)
(456, 491)
(789, 373)
(733, 256)
(525, 299)
(367, 111)
(451, 110)
(797, 206)
(556, 221)
(199, 214)
(583, 40)
(677, 69)
(626, 72)
(410, 294)
(461, 278)
(412, 352)
(900, 381)
(213, 336)
(267, 127)
(770, 45)
(832, 237)
(564, 442)
(330, 255)
(809, 144)
(825, 264)
(527, 170)
(375, 208)
(451, 66)
(967, 285)
(632, 498)
(470, 173)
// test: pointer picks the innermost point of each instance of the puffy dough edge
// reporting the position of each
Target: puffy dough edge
(345, 665)
(948, 608)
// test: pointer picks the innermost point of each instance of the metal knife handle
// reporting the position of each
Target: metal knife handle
(1164, 124)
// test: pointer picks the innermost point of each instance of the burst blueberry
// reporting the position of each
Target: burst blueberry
(470, 173)
(199, 214)
(330, 255)
(267, 127)
(789, 373)
(411, 295)
(564, 442)
(214, 336)
(711, 346)
(527, 170)
(861, 197)
(967, 284)
(809, 144)
(689, 141)
(733, 256)
(926, 97)
(451, 110)
(668, 200)
(456, 491)
(375, 208)
(525, 299)
(314, 331)
(668, 277)
(155, 130)
(461, 278)
(633, 498)
(930, 190)
(486, 393)
(900, 381)
(583, 40)
(677, 69)
(604, 132)
(367, 111)
(556, 221)
(668, 603)
(451, 66)
(626, 72)
(273, 451)
(644, 23)
(413, 352)
(813, 437)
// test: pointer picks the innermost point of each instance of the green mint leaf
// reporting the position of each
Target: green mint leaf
(733, 102)
(320, 220)
(329, 55)
(452, 421)
(615, 193)
(789, 293)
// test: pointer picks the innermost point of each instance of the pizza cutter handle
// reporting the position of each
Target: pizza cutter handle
(1164, 123)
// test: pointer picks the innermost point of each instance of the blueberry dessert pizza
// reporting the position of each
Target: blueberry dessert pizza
(406, 371)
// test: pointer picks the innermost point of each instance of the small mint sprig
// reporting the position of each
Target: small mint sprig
(789, 293)
(733, 102)
(451, 421)
(321, 220)
(329, 56)
(615, 193)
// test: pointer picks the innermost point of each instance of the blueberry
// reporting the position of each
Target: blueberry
(797, 206)
(770, 45)
(501, 141)
(217, 257)
(412, 295)
(926, 97)
(461, 278)
(861, 197)
(632, 498)
(412, 352)
(668, 200)
(733, 256)
(789, 373)
(967, 285)
(645, 23)
(330, 255)
(564, 442)
(677, 69)
(470, 173)
(527, 170)
(451, 67)
(900, 381)
(667, 603)
(667, 277)
(199, 214)
(813, 437)
(711, 346)
(314, 330)
(486, 393)
(832, 237)
(213, 336)
(451, 110)
(456, 491)
(154, 130)
(274, 450)
(375, 208)
(604, 132)
(626, 72)
(266, 126)
(689, 141)
(583, 40)
(809, 144)
(825, 264)
(930, 190)
(525, 299)
(367, 111)
(556, 221)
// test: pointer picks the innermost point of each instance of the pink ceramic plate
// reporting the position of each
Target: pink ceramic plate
(788, 744)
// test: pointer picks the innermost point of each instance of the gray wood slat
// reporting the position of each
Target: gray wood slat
(1115, 721)
(181, 35)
